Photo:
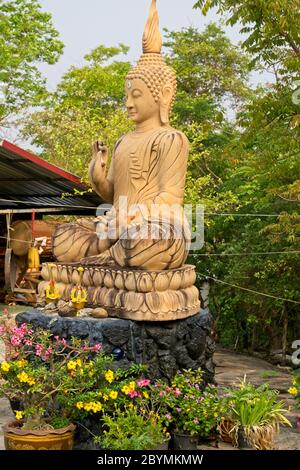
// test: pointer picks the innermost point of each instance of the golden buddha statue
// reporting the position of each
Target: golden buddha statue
(133, 256)
(148, 167)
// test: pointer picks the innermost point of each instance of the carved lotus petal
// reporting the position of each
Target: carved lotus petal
(90, 294)
(64, 275)
(41, 288)
(70, 272)
(161, 282)
(119, 280)
(119, 300)
(97, 277)
(110, 297)
(181, 298)
(108, 280)
(192, 294)
(144, 282)
(153, 301)
(133, 301)
(176, 280)
(75, 277)
(86, 278)
(130, 282)
(188, 278)
(170, 301)
(54, 272)
(45, 272)
(62, 289)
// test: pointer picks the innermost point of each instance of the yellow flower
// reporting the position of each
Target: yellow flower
(109, 376)
(79, 405)
(30, 381)
(5, 366)
(293, 391)
(105, 397)
(19, 414)
(72, 365)
(23, 377)
(146, 394)
(78, 362)
(126, 389)
(113, 395)
(91, 373)
(22, 363)
(132, 385)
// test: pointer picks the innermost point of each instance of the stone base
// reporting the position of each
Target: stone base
(165, 347)
(130, 294)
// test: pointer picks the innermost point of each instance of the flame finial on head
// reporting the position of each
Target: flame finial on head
(152, 40)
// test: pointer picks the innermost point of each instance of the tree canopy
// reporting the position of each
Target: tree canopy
(27, 38)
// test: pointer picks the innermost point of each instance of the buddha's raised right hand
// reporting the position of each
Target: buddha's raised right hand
(97, 168)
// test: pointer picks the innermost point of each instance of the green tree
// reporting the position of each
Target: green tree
(87, 105)
(27, 38)
(271, 26)
(265, 179)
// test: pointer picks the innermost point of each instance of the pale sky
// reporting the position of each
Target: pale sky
(84, 24)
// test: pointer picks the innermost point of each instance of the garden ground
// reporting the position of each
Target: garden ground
(230, 368)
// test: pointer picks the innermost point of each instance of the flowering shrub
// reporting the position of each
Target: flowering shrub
(188, 407)
(128, 429)
(40, 371)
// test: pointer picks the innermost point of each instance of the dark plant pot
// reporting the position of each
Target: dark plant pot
(164, 446)
(184, 441)
(242, 439)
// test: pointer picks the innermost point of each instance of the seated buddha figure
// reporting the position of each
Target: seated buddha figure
(147, 170)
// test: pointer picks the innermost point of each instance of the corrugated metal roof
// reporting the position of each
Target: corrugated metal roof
(29, 182)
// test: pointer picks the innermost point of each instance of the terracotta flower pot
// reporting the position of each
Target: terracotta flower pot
(16, 438)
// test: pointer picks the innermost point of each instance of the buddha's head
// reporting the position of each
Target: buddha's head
(151, 85)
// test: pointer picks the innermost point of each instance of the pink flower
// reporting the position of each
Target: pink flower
(28, 342)
(177, 392)
(39, 350)
(15, 340)
(144, 382)
(133, 394)
(97, 347)
(162, 393)
(56, 338)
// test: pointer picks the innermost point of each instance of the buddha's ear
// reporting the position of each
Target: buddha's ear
(165, 100)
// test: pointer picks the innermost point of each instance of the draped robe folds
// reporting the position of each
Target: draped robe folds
(146, 228)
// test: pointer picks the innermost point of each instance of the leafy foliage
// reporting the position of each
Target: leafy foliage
(27, 37)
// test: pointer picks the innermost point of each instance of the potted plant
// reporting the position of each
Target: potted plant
(193, 410)
(128, 429)
(255, 415)
(129, 409)
(38, 374)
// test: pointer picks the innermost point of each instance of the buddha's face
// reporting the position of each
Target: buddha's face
(140, 104)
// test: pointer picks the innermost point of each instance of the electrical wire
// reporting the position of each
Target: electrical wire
(248, 290)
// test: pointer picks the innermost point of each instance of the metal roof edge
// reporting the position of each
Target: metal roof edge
(41, 162)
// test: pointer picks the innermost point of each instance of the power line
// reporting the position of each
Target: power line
(248, 254)
(220, 214)
(249, 290)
